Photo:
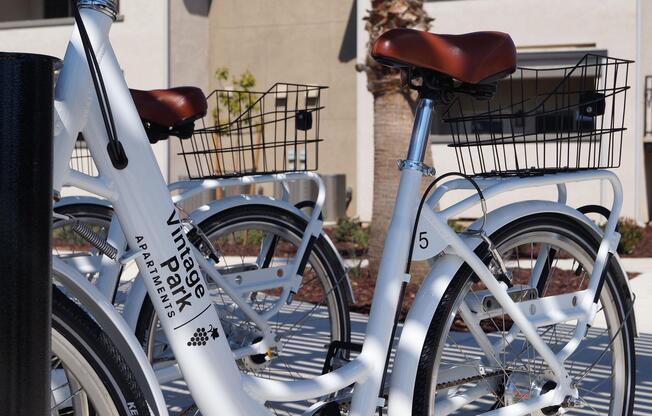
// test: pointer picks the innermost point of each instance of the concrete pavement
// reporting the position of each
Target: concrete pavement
(312, 354)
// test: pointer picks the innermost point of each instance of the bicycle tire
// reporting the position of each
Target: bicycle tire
(91, 356)
(614, 291)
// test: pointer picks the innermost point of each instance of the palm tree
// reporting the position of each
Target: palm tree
(393, 114)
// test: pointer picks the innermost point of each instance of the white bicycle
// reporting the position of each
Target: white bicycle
(526, 312)
(253, 239)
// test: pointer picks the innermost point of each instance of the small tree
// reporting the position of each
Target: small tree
(393, 114)
(231, 102)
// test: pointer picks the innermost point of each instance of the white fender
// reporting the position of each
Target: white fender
(82, 200)
(433, 287)
(116, 328)
(137, 292)
(205, 211)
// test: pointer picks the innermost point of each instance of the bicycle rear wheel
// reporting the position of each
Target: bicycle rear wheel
(457, 376)
(317, 315)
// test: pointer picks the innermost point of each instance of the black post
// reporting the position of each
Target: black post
(26, 113)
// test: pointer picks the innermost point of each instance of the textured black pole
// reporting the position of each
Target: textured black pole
(26, 98)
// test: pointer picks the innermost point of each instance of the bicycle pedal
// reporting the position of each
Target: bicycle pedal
(329, 409)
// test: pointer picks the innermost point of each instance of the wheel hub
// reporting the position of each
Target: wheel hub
(518, 388)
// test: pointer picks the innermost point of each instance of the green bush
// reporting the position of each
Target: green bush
(631, 235)
(456, 226)
(350, 230)
(239, 99)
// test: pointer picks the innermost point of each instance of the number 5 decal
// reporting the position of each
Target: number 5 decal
(426, 243)
(423, 240)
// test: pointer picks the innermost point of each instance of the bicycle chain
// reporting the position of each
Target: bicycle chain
(466, 380)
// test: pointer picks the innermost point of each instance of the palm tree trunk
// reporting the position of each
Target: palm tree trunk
(393, 118)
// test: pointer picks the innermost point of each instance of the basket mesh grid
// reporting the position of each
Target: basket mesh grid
(81, 159)
(249, 133)
(544, 120)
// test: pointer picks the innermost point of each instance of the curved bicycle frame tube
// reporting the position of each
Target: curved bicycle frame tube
(110, 270)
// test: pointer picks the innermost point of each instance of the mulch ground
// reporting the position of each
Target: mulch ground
(644, 247)
(363, 288)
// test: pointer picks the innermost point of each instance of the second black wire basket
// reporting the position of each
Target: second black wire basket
(544, 120)
(249, 133)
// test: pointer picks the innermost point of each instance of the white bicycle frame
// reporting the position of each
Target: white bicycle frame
(109, 271)
(170, 266)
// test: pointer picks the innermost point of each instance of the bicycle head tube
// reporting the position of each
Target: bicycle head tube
(108, 7)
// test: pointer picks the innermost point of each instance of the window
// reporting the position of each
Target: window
(30, 10)
(647, 110)
(509, 100)
(57, 8)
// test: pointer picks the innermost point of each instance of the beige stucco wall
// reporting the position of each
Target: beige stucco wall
(296, 41)
(645, 69)
(189, 40)
(140, 41)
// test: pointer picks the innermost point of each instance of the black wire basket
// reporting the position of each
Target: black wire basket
(544, 120)
(81, 159)
(250, 133)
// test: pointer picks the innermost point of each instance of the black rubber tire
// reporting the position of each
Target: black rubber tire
(615, 282)
(100, 353)
(282, 218)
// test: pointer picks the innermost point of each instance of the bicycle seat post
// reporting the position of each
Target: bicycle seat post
(419, 138)
(421, 129)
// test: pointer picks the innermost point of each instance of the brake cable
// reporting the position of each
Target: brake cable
(114, 148)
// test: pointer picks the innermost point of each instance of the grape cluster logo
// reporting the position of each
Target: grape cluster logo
(201, 336)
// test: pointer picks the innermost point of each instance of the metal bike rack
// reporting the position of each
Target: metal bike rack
(26, 124)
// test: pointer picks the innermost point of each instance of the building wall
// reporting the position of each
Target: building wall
(557, 25)
(310, 42)
(644, 69)
(189, 50)
(140, 41)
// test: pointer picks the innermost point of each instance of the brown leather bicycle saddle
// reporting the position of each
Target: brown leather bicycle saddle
(170, 107)
(473, 58)
(170, 112)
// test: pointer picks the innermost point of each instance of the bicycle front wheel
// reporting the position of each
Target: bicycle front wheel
(88, 376)
(460, 374)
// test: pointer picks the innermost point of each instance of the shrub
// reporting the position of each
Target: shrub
(456, 226)
(631, 235)
(350, 230)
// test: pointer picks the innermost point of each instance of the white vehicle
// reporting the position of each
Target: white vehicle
(489, 332)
